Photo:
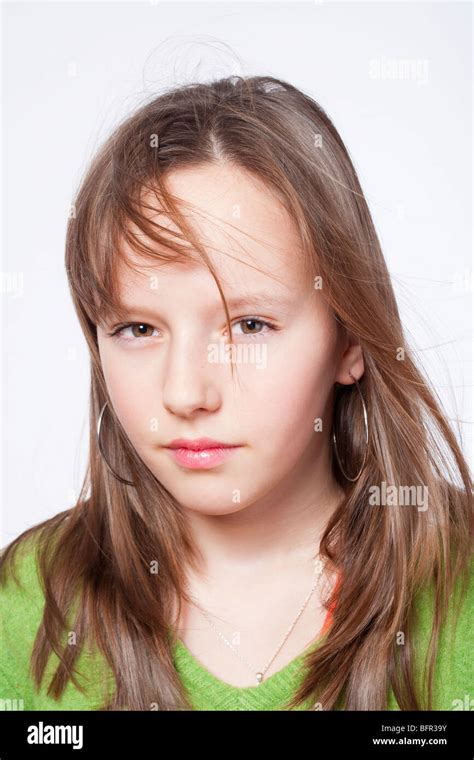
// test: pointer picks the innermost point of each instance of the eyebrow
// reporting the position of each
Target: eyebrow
(252, 299)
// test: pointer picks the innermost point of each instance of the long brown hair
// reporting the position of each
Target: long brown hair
(100, 550)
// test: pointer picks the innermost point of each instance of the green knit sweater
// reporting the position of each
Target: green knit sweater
(22, 612)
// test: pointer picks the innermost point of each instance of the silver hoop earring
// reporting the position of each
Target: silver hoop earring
(99, 424)
(366, 438)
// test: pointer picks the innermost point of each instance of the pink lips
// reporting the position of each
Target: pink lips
(200, 453)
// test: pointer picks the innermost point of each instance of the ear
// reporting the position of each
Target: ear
(352, 360)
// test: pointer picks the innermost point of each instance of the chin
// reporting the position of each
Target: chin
(208, 511)
(206, 500)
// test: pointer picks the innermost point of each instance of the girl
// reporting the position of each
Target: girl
(276, 514)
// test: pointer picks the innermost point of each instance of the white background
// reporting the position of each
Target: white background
(71, 70)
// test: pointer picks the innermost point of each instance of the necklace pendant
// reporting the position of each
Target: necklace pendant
(259, 677)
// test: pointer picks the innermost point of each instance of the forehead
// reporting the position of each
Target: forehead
(247, 233)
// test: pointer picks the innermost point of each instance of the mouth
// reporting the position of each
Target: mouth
(202, 453)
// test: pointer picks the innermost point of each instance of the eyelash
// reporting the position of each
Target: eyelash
(116, 333)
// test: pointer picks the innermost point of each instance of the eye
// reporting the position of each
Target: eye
(251, 324)
(139, 330)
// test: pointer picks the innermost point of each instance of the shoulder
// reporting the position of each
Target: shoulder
(453, 675)
(21, 589)
(22, 600)
(22, 603)
(19, 564)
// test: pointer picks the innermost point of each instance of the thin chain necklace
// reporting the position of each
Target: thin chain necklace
(318, 569)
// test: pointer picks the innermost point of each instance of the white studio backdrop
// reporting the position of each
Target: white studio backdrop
(395, 77)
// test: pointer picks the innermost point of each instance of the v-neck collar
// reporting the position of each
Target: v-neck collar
(211, 692)
(184, 657)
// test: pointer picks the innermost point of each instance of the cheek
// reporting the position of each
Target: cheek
(292, 403)
(130, 394)
(293, 391)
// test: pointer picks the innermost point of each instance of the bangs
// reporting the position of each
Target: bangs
(129, 238)
(117, 222)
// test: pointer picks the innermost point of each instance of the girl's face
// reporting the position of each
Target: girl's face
(168, 373)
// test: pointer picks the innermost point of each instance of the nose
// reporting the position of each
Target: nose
(190, 380)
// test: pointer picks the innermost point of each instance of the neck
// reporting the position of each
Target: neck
(279, 531)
